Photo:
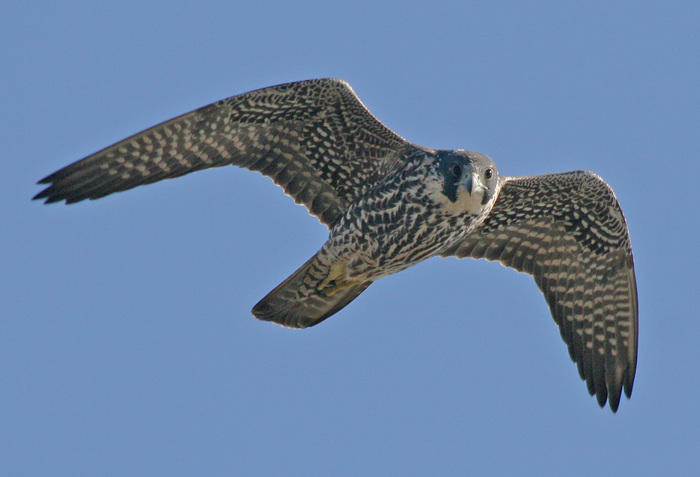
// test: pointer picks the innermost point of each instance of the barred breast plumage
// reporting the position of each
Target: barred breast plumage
(390, 204)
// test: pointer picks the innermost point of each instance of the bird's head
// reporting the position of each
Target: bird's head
(469, 180)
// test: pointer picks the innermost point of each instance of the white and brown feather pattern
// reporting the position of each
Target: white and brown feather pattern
(389, 204)
(314, 138)
(568, 231)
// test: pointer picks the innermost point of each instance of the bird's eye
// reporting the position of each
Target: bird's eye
(489, 173)
(457, 170)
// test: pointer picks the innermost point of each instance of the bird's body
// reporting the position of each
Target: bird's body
(390, 204)
(422, 205)
(406, 218)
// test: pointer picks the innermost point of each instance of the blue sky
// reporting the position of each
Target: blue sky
(127, 344)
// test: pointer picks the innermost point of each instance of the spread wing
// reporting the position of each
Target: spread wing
(313, 138)
(568, 231)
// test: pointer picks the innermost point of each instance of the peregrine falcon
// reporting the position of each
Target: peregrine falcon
(390, 204)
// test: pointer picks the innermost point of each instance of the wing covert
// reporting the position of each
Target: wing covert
(568, 231)
(314, 138)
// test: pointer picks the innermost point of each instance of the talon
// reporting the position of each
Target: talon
(336, 280)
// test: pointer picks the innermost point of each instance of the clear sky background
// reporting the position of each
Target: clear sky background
(127, 344)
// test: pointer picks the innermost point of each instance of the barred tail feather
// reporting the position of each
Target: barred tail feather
(297, 302)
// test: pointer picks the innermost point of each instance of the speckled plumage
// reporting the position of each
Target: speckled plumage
(389, 204)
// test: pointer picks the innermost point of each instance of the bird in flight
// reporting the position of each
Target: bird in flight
(390, 204)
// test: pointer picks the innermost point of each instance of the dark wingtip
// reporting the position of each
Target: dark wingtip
(45, 194)
(39, 196)
(628, 389)
(47, 180)
(602, 397)
(629, 380)
(614, 402)
(49, 195)
(48, 191)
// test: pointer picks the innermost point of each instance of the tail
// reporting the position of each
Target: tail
(305, 298)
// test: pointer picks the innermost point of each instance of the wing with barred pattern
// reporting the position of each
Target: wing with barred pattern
(568, 231)
(313, 138)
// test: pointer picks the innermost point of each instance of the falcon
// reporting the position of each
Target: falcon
(390, 204)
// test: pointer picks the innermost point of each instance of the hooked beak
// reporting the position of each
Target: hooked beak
(473, 184)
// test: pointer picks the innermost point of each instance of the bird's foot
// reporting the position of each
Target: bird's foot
(336, 280)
